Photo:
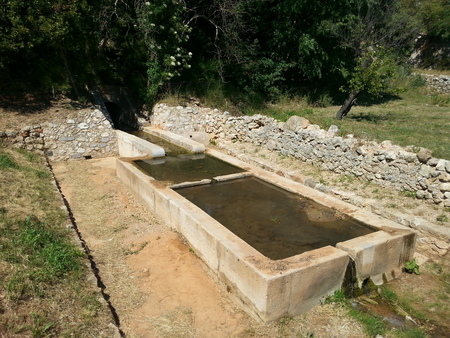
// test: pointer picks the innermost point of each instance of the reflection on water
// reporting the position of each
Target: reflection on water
(186, 168)
(277, 223)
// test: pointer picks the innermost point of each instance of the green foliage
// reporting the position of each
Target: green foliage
(29, 156)
(337, 297)
(164, 35)
(291, 43)
(435, 15)
(304, 112)
(40, 326)
(7, 162)
(371, 72)
(372, 324)
(412, 267)
(26, 24)
(441, 100)
(43, 271)
(412, 333)
(31, 29)
(388, 295)
(264, 49)
(319, 99)
(416, 80)
(265, 76)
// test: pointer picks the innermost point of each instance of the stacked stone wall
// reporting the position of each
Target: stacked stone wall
(410, 169)
(86, 134)
(438, 83)
(29, 137)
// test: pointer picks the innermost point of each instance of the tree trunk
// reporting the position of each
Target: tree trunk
(69, 73)
(349, 102)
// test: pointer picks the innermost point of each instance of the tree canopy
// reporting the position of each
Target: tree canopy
(264, 48)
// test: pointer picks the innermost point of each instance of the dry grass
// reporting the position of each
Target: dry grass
(44, 286)
(417, 117)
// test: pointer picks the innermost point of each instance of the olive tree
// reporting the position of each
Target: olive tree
(378, 34)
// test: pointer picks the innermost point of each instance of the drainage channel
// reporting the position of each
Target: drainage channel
(95, 270)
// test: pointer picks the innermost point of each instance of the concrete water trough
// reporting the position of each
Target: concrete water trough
(270, 288)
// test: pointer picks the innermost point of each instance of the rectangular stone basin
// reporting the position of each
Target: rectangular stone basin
(272, 288)
(276, 222)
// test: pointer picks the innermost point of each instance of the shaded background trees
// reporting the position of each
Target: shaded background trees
(249, 49)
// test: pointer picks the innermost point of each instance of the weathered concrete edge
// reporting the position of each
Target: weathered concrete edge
(133, 146)
(181, 141)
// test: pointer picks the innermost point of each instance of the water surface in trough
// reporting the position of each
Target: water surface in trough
(276, 222)
(186, 168)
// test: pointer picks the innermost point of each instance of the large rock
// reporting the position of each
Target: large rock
(424, 155)
(295, 123)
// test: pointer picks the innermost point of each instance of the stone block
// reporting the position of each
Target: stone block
(296, 123)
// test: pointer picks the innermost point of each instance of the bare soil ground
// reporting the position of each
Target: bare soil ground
(158, 286)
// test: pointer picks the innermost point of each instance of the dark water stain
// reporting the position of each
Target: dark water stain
(186, 168)
(277, 223)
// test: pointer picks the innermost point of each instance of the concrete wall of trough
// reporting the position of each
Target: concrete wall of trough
(265, 288)
(87, 133)
(409, 169)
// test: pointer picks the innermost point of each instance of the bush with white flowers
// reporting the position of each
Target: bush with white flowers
(165, 34)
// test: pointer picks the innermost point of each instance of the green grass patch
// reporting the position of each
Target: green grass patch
(40, 256)
(375, 325)
(7, 162)
(372, 325)
(44, 291)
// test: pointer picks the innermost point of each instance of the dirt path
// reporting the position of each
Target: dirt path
(157, 285)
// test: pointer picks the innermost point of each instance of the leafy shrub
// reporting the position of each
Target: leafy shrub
(412, 267)
(417, 80)
(320, 100)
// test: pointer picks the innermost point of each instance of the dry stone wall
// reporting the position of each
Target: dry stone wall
(413, 170)
(439, 83)
(87, 133)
